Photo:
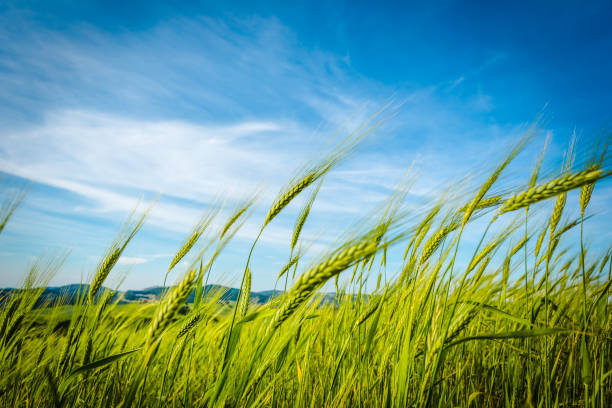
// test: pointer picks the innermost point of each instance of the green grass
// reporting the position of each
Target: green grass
(512, 326)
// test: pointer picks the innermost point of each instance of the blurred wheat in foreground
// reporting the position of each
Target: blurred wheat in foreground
(521, 320)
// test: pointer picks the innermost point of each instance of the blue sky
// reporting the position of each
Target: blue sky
(105, 103)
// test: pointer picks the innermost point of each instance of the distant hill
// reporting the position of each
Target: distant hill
(68, 294)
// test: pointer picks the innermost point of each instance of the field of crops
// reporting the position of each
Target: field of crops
(525, 322)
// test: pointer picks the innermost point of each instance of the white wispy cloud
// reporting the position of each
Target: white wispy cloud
(131, 260)
(112, 161)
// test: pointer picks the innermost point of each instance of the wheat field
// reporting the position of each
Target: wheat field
(525, 322)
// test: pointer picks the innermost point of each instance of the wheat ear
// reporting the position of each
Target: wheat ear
(312, 172)
(552, 188)
(235, 216)
(484, 203)
(289, 194)
(540, 241)
(189, 325)
(557, 212)
(587, 190)
(301, 220)
(518, 246)
(169, 306)
(245, 294)
(434, 241)
(9, 206)
(195, 235)
(493, 177)
(113, 254)
(486, 251)
(313, 278)
(288, 266)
